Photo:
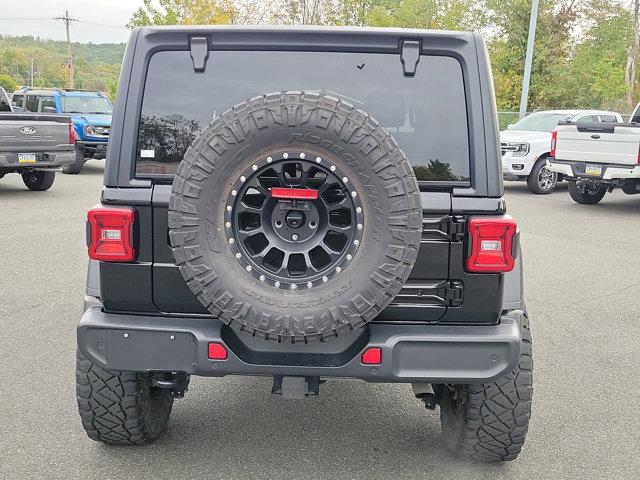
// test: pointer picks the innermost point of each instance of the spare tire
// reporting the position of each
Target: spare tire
(295, 217)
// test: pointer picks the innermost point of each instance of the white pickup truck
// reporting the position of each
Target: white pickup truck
(596, 158)
(526, 145)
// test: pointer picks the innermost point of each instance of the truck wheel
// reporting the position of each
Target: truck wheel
(120, 408)
(489, 422)
(75, 166)
(38, 180)
(590, 195)
(295, 217)
(541, 180)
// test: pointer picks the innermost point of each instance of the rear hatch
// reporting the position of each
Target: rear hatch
(425, 112)
(598, 143)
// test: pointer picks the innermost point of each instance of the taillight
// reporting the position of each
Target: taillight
(554, 141)
(110, 234)
(72, 134)
(638, 159)
(491, 244)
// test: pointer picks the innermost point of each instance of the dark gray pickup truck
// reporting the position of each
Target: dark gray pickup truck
(317, 204)
(34, 146)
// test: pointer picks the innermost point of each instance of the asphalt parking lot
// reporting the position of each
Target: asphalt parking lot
(582, 268)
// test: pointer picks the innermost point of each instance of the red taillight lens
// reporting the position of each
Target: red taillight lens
(294, 193)
(372, 356)
(638, 160)
(217, 351)
(491, 243)
(554, 141)
(72, 134)
(110, 234)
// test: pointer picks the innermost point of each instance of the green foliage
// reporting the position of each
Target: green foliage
(8, 82)
(183, 12)
(97, 67)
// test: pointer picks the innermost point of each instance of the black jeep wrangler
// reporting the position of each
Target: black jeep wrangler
(305, 204)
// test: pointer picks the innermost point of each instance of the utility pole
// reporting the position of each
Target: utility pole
(31, 72)
(533, 22)
(67, 21)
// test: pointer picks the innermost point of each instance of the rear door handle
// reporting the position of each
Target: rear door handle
(595, 137)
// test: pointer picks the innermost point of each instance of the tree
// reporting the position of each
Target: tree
(8, 82)
(632, 58)
(183, 12)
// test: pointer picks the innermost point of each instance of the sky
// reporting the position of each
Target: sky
(35, 17)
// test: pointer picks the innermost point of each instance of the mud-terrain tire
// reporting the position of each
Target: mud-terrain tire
(541, 180)
(342, 142)
(38, 180)
(120, 408)
(75, 166)
(586, 196)
(488, 422)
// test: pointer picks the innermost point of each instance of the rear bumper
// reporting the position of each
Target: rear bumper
(44, 160)
(410, 353)
(609, 171)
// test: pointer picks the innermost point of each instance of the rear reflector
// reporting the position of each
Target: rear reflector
(372, 356)
(217, 351)
(491, 243)
(294, 193)
(110, 234)
(72, 134)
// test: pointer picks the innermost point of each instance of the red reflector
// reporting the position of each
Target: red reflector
(72, 134)
(217, 351)
(110, 234)
(372, 356)
(554, 141)
(491, 242)
(294, 193)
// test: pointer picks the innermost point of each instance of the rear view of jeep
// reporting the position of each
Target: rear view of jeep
(306, 205)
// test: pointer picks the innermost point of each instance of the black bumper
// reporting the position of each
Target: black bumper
(93, 148)
(410, 353)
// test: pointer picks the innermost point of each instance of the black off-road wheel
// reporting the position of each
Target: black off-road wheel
(38, 180)
(120, 408)
(588, 195)
(541, 180)
(75, 166)
(488, 422)
(295, 217)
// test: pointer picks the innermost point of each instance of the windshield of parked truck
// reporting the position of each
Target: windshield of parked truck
(86, 105)
(540, 122)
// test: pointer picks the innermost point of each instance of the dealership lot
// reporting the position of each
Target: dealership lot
(582, 279)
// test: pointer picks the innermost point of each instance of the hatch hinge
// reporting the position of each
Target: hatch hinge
(199, 49)
(409, 56)
(454, 293)
(457, 228)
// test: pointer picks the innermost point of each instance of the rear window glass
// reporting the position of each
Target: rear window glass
(426, 114)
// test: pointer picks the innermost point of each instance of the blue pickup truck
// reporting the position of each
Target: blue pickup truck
(90, 113)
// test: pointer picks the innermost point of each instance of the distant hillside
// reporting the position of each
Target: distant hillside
(97, 66)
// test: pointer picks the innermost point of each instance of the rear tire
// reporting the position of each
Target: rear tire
(75, 167)
(587, 196)
(489, 422)
(120, 408)
(38, 180)
(541, 180)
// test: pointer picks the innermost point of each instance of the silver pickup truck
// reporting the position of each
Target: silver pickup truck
(35, 146)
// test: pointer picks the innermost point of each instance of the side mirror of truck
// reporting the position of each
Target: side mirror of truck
(510, 126)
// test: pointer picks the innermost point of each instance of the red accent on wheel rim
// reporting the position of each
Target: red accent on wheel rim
(294, 193)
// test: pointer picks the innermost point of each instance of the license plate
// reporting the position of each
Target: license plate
(595, 170)
(26, 158)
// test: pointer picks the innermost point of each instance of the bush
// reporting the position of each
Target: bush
(8, 83)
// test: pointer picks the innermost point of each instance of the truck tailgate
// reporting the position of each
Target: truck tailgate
(598, 143)
(34, 133)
